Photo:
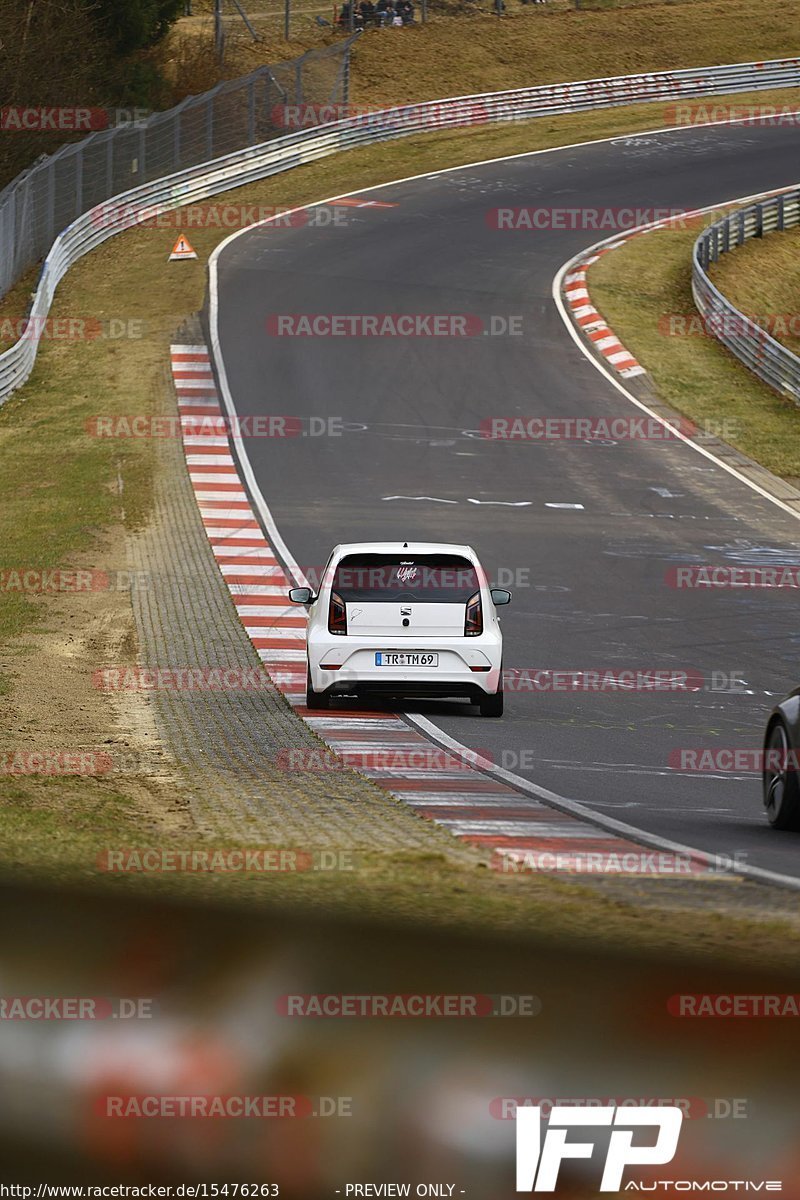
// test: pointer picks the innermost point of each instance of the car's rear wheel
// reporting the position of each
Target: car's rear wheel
(781, 790)
(315, 699)
(492, 706)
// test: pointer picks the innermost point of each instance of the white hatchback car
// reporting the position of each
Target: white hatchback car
(404, 619)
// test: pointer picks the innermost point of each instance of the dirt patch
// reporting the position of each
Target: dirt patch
(53, 709)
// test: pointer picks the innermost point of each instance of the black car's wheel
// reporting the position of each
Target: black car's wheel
(492, 706)
(781, 790)
(315, 699)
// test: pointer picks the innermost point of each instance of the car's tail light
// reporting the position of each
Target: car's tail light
(337, 614)
(474, 621)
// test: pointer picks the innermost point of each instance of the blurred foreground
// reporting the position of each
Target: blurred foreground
(117, 1008)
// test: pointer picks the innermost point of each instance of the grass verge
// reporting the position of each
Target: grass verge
(643, 290)
(473, 51)
(762, 278)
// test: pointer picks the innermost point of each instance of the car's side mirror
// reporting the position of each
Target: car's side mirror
(500, 596)
(302, 596)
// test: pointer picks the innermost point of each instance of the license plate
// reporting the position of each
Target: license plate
(391, 658)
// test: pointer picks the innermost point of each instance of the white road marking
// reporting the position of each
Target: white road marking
(433, 499)
(504, 503)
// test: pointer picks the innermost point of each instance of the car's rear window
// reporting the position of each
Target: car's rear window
(426, 578)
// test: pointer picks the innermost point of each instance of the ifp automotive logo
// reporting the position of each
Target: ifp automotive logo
(539, 1159)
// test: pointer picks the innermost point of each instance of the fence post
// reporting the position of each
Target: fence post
(251, 112)
(346, 75)
(51, 206)
(10, 237)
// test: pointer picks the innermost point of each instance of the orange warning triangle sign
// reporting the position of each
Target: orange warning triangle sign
(182, 249)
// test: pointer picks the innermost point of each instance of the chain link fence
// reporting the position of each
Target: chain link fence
(45, 199)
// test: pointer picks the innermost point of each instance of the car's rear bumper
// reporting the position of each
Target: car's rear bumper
(466, 667)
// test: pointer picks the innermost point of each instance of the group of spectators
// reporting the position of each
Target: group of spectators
(382, 13)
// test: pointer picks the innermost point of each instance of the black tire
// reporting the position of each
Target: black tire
(781, 786)
(492, 706)
(315, 699)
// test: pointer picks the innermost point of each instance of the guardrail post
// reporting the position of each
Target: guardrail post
(726, 236)
(210, 128)
(176, 142)
(741, 230)
(251, 112)
(143, 155)
(781, 214)
(759, 221)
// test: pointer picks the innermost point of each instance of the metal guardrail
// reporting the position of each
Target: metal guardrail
(281, 154)
(743, 336)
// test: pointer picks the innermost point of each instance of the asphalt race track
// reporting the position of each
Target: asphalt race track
(589, 583)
